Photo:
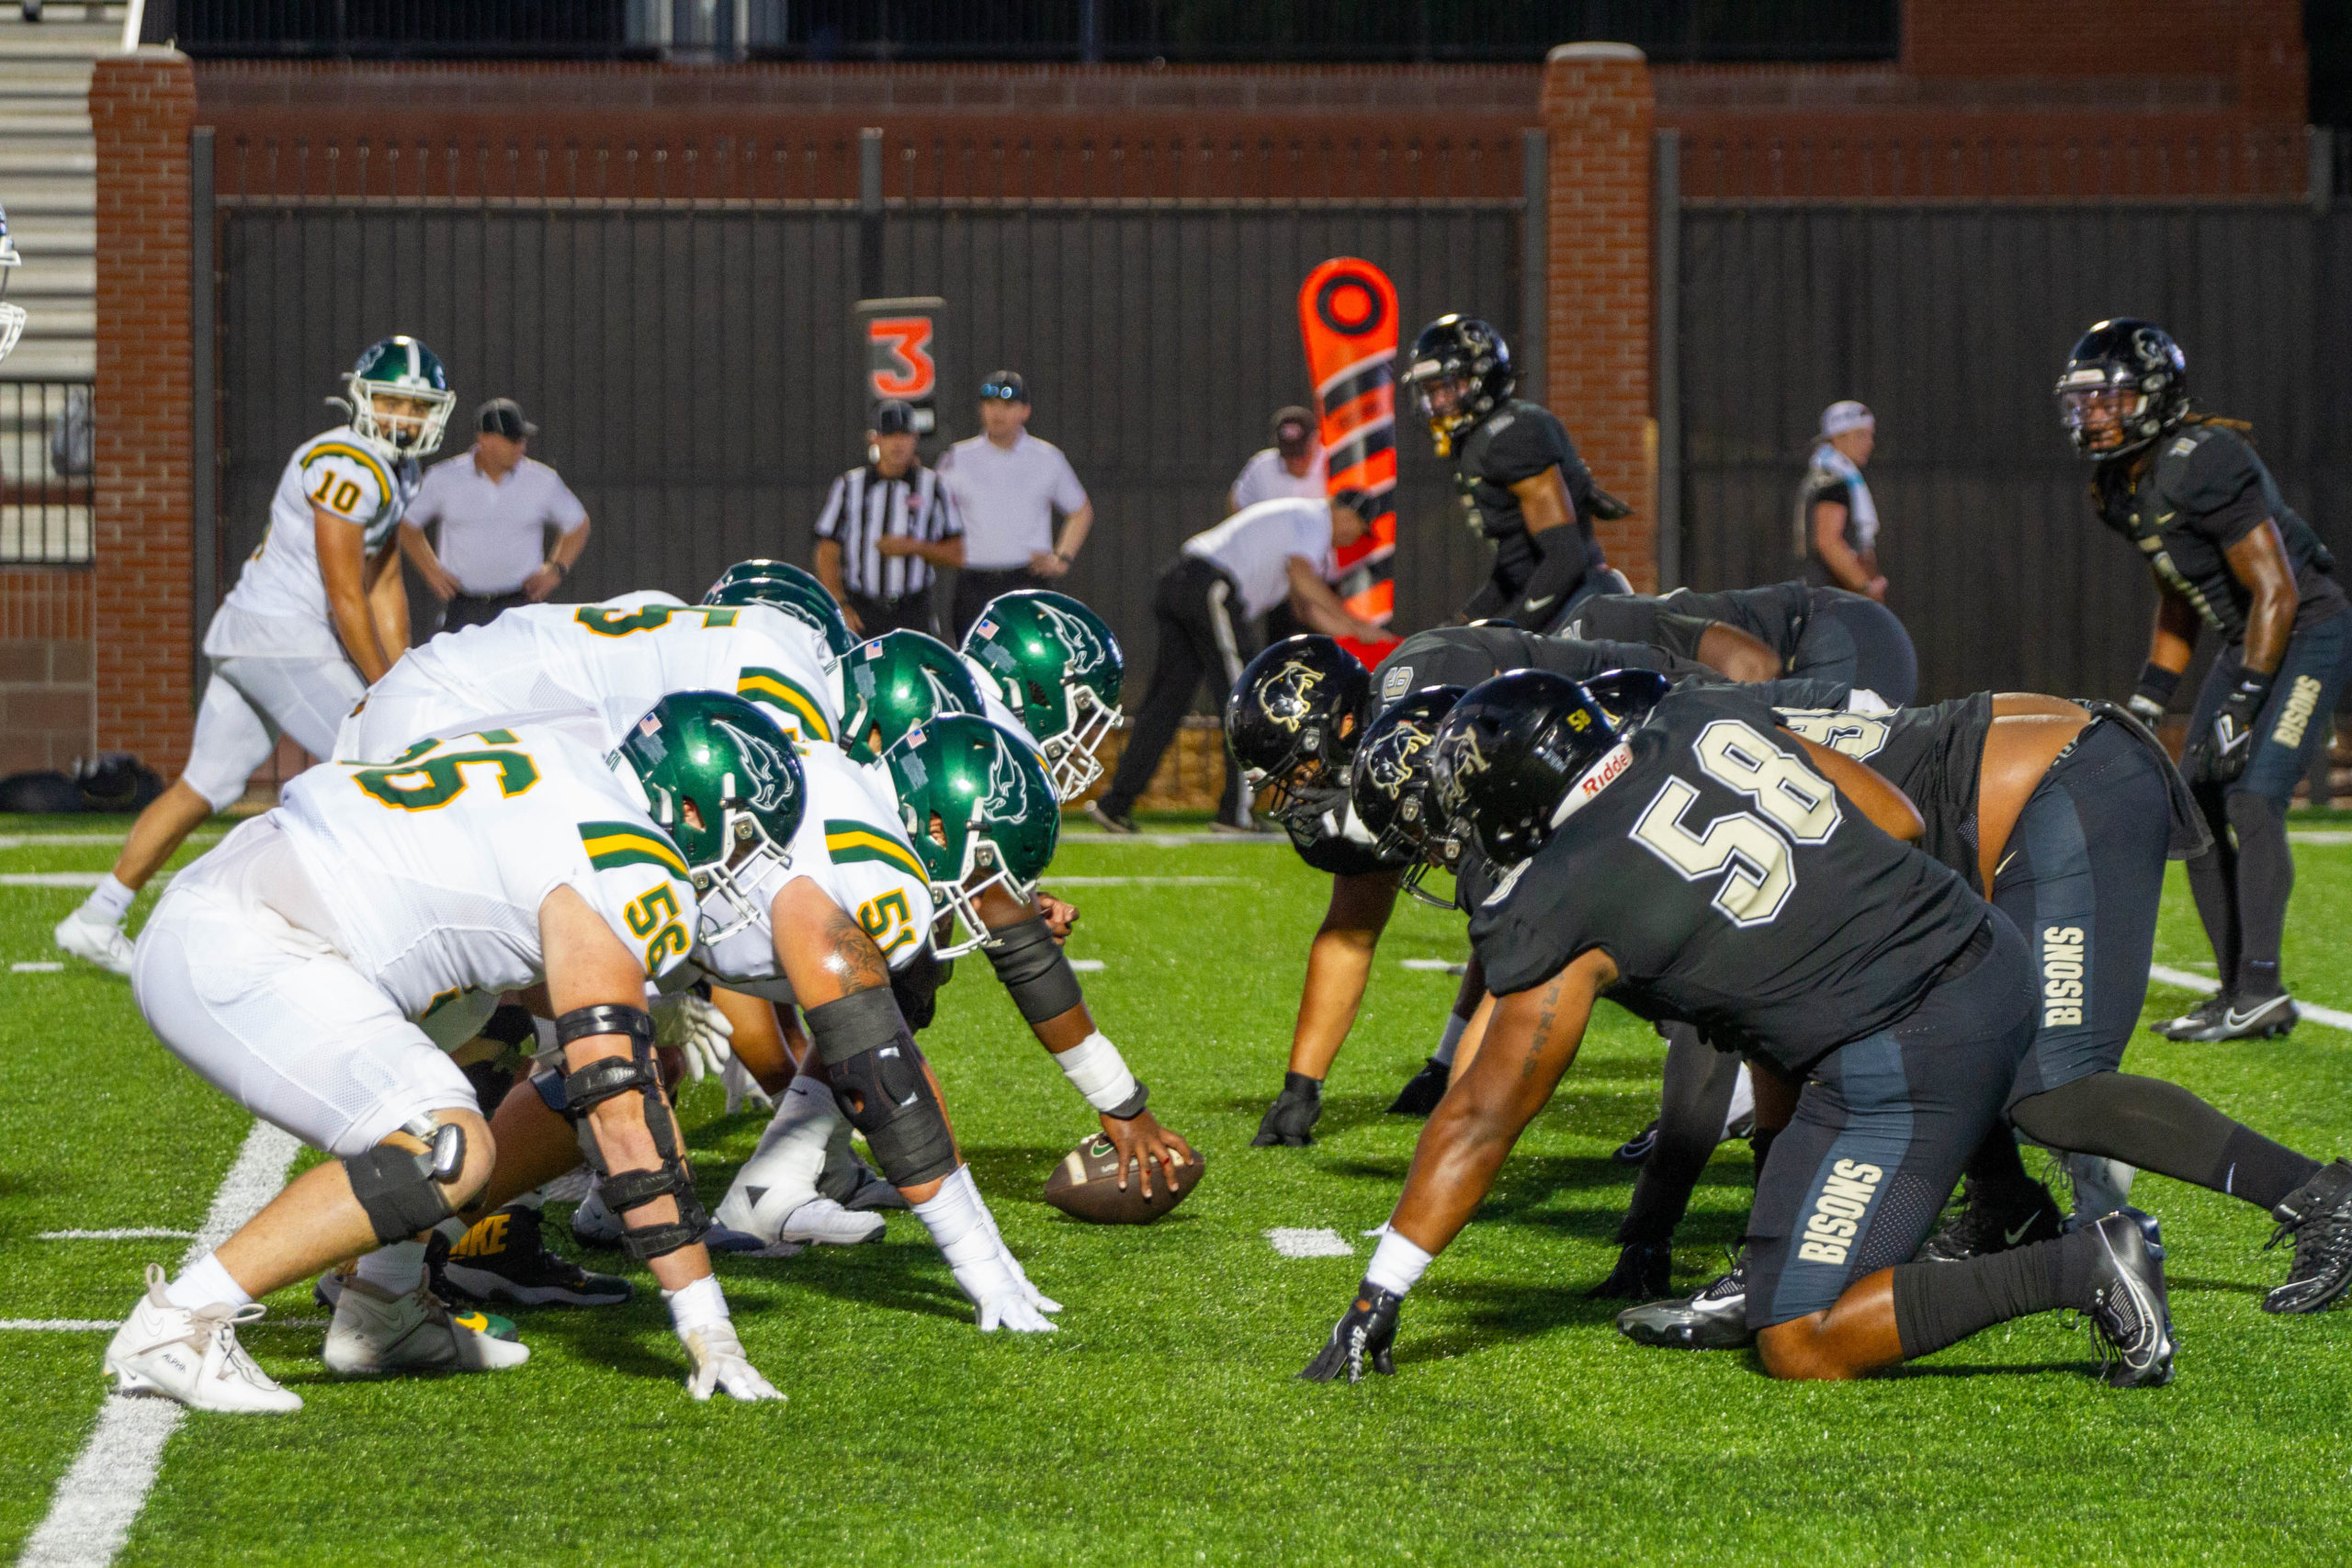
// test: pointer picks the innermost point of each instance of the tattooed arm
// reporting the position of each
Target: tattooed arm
(1531, 1040)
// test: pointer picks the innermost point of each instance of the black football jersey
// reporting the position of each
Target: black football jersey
(1733, 887)
(1935, 755)
(1517, 442)
(1635, 617)
(1464, 656)
(2204, 490)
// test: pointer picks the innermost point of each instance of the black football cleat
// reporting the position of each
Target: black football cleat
(2318, 1215)
(1364, 1337)
(1636, 1149)
(1713, 1319)
(2264, 1017)
(1289, 1121)
(2203, 1016)
(1985, 1225)
(505, 1258)
(1423, 1091)
(2127, 1309)
(1644, 1273)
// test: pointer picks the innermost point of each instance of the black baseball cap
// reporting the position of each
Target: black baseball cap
(1294, 418)
(893, 417)
(504, 416)
(1004, 387)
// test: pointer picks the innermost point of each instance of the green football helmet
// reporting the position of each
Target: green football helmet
(896, 682)
(973, 797)
(1054, 662)
(790, 589)
(400, 367)
(721, 779)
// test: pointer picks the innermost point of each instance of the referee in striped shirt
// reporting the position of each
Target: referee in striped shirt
(887, 528)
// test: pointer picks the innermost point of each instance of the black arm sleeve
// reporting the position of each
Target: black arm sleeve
(1562, 567)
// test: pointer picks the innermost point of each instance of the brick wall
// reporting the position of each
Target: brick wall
(46, 676)
(1598, 111)
(141, 107)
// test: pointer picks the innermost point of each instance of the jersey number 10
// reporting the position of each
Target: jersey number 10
(1752, 852)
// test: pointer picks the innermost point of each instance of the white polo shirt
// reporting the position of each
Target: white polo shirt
(492, 530)
(1254, 546)
(1008, 496)
(1263, 478)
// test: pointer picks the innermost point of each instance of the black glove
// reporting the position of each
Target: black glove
(2154, 693)
(2224, 751)
(1366, 1332)
(1291, 1118)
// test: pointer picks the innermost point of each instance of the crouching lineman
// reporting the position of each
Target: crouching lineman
(286, 968)
(1709, 865)
(1801, 632)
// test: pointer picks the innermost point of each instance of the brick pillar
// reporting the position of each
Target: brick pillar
(1597, 112)
(142, 106)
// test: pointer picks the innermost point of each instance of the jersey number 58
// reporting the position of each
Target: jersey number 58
(1752, 852)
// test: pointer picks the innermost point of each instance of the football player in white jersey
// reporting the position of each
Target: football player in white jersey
(318, 612)
(288, 966)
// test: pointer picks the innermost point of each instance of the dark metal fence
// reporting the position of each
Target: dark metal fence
(46, 436)
(677, 319)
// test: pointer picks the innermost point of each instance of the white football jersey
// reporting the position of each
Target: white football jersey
(357, 478)
(434, 867)
(852, 845)
(596, 670)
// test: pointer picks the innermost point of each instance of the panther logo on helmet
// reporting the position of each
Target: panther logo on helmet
(1086, 651)
(1390, 768)
(1008, 797)
(767, 770)
(1290, 695)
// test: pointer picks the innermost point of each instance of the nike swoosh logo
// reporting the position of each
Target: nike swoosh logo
(2004, 863)
(2236, 1019)
(1539, 603)
(2009, 1238)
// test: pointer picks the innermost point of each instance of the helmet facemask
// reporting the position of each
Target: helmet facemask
(2102, 419)
(983, 868)
(1446, 401)
(1071, 763)
(414, 431)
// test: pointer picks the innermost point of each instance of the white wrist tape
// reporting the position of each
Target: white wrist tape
(700, 1306)
(1097, 1071)
(1397, 1264)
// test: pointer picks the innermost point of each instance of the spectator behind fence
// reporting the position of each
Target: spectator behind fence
(1292, 466)
(1837, 522)
(887, 528)
(494, 505)
(1221, 583)
(1007, 486)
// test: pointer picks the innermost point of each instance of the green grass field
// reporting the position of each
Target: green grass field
(1162, 1424)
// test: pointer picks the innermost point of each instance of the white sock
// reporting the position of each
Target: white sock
(397, 1269)
(959, 1220)
(791, 1155)
(107, 903)
(1397, 1264)
(1455, 1026)
(698, 1305)
(203, 1283)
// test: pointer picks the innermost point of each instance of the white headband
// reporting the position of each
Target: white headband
(1839, 418)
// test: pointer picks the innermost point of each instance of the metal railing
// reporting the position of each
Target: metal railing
(46, 450)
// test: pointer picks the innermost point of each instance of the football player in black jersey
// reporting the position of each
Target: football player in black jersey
(1294, 723)
(2187, 488)
(1711, 866)
(1522, 485)
(1808, 633)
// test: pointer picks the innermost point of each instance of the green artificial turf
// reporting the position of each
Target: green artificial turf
(1163, 1424)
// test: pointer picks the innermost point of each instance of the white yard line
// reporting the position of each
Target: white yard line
(62, 878)
(2319, 835)
(38, 966)
(1085, 965)
(1434, 965)
(1096, 837)
(1295, 1242)
(91, 1513)
(2206, 986)
(1150, 881)
(131, 1232)
(86, 840)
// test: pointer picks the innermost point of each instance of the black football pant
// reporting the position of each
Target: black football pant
(1202, 639)
(1856, 640)
(909, 613)
(974, 587)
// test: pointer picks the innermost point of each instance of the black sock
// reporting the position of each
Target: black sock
(1759, 1146)
(1938, 1304)
(1299, 1083)
(2258, 980)
(2265, 876)
(2074, 1260)
(1996, 1169)
(2261, 1172)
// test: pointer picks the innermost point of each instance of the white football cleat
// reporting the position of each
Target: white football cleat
(376, 1332)
(103, 945)
(193, 1356)
(811, 1220)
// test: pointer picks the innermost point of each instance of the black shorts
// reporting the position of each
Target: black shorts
(1881, 1131)
(2295, 721)
(2081, 876)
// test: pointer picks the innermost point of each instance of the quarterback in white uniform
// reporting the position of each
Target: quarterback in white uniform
(319, 611)
(289, 968)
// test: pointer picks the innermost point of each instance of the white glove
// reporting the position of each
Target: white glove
(720, 1364)
(995, 1284)
(743, 1088)
(688, 1024)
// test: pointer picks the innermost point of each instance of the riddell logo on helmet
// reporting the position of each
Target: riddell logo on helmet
(1837, 1213)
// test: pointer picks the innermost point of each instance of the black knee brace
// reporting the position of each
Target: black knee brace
(402, 1192)
(575, 1094)
(1033, 967)
(880, 1085)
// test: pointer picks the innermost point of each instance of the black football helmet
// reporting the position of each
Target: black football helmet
(1461, 372)
(1389, 784)
(1627, 695)
(1507, 755)
(1293, 723)
(2126, 383)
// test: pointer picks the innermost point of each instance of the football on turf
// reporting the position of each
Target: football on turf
(1085, 1186)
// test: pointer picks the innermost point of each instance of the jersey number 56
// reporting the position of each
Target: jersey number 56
(1752, 852)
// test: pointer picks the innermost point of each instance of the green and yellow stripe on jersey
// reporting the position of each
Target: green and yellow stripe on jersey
(615, 844)
(850, 840)
(787, 695)
(365, 458)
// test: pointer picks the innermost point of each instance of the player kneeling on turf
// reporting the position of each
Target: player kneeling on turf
(286, 966)
(1708, 866)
